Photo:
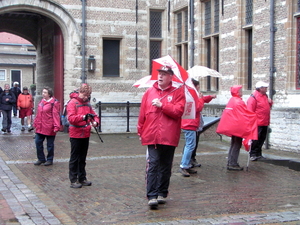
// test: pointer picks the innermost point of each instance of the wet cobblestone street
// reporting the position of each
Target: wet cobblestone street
(29, 194)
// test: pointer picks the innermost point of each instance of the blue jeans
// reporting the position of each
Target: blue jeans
(39, 139)
(6, 121)
(190, 143)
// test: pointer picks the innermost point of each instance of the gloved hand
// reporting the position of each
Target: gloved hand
(88, 116)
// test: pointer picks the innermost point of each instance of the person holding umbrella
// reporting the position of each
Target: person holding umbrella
(159, 123)
(237, 122)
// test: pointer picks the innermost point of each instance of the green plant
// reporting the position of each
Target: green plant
(33, 86)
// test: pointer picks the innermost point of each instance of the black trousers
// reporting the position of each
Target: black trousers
(79, 149)
(195, 150)
(159, 169)
(257, 144)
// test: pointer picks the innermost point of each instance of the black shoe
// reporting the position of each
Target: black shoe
(37, 163)
(235, 168)
(261, 158)
(4, 130)
(30, 129)
(48, 163)
(184, 172)
(191, 171)
(76, 185)
(195, 163)
(8, 131)
(86, 183)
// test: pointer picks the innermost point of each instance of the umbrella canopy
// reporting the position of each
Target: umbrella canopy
(144, 82)
(180, 74)
(202, 71)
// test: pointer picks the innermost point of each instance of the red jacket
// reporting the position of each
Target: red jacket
(161, 125)
(47, 120)
(236, 119)
(76, 109)
(259, 104)
(193, 124)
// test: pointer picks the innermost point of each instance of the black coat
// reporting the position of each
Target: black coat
(7, 100)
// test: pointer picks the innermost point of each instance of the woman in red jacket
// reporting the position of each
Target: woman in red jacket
(81, 117)
(237, 122)
(159, 128)
(46, 124)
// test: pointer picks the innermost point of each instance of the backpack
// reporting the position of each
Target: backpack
(64, 119)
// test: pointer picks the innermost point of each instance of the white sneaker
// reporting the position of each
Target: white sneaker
(161, 200)
(153, 202)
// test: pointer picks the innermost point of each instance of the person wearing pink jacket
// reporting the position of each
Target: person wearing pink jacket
(46, 124)
(237, 122)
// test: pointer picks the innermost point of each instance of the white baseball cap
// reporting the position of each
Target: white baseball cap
(260, 84)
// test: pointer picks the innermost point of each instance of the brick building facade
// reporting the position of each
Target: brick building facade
(245, 40)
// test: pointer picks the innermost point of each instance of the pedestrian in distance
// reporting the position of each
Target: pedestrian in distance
(206, 99)
(237, 122)
(81, 118)
(189, 128)
(46, 124)
(261, 104)
(158, 126)
(16, 90)
(7, 100)
(25, 107)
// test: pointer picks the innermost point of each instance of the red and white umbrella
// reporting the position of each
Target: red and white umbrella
(144, 82)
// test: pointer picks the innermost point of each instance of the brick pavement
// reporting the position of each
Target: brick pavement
(41, 195)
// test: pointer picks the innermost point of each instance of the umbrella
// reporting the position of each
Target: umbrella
(181, 74)
(144, 82)
(202, 71)
(180, 78)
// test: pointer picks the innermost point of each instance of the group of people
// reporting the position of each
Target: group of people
(47, 123)
(159, 128)
(160, 123)
(12, 100)
(81, 117)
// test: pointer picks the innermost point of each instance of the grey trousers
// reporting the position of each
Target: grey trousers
(234, 151)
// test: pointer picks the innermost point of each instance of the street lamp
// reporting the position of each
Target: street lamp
(91, 63)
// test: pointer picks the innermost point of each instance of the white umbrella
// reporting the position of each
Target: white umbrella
(202, 71)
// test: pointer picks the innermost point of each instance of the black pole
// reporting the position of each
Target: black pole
(127, 109)
(99, 127)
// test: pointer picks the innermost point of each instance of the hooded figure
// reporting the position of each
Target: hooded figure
(237, 122)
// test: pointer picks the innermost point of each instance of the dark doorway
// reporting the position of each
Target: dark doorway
(15, 77)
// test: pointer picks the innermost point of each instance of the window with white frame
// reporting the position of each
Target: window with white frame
(2, 75)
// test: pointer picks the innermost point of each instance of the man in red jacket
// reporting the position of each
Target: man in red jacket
(25, 107)
(259, 103)
(159, 128)
(189, 127)
(81, 117)
(237, 122)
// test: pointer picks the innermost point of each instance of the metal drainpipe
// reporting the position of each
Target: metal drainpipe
(83, 25)
(272, 67)
(192, 22)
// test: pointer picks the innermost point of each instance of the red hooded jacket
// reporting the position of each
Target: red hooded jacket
(47, 120)
(161, 125)
(259, 104)
(236, 119)
(77, 108)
